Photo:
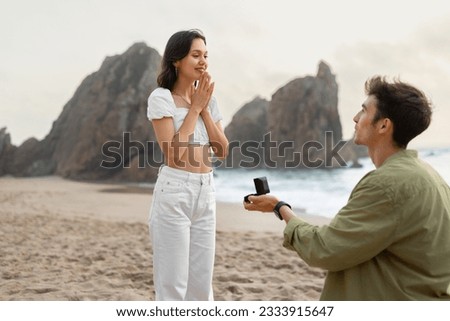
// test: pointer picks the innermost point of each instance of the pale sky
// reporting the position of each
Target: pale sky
(255, 47)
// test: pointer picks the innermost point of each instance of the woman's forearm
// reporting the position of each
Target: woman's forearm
(217, 138)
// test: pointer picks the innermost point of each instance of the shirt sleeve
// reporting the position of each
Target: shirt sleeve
(159, 105)
(362, 229)
(214, 108)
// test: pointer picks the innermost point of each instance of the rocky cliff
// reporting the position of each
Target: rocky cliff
(299, 128)
(302, 112)
(106, 114)
(7, 151)
(246, 130)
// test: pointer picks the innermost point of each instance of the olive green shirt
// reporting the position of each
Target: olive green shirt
(390, 242)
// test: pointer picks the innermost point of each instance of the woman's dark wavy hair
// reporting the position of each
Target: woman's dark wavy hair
(177, 48)
(406, 106)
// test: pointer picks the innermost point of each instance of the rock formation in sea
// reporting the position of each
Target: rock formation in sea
(7, 150)
(105, 121)
(298, 128)
(245, 131)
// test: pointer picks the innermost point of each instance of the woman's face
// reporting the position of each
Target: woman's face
(195, 63)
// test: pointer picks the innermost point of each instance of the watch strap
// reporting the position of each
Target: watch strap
(277, 208)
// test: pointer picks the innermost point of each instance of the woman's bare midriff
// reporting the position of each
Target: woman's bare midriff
(196, 159)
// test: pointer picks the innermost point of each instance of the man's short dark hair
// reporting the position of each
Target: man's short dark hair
(406, 106)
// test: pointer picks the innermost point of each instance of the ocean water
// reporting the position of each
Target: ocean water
(316, 192)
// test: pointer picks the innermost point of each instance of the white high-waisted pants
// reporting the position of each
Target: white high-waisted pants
(182, 225)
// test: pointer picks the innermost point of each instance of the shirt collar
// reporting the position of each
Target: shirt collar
(401, 154)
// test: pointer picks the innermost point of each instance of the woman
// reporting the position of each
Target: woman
(187, 125)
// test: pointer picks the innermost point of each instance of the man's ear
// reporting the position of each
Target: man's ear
(385, 125)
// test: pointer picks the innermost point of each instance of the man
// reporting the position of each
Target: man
(391, 241)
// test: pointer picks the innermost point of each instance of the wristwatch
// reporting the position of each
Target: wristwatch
(277, 208)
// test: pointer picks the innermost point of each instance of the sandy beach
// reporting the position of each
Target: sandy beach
(67, 240)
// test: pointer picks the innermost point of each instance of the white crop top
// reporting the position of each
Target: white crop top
(161, 104)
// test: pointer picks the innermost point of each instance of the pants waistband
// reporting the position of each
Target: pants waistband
(179, 174)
